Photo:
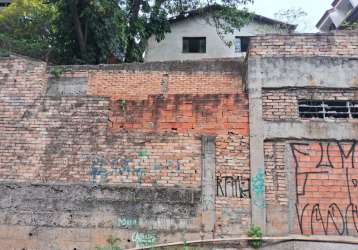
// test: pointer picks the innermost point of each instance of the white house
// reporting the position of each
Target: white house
(192, 37)
(4, 3)
(342, 11)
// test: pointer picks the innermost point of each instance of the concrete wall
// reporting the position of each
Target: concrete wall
(309, 164)
(79, 216)
(171, 48)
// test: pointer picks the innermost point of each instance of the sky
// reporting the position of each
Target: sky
(314, 9)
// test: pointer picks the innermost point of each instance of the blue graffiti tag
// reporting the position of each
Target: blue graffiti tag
(127, 222)
(121, 167)
(258, 187)
(169, 165)
(101, 168)
(98, 170)
(156, 166)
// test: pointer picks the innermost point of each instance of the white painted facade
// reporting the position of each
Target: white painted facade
(4, 3)
(171, 48)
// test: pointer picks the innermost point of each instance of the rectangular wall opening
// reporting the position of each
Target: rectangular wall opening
(335, 109)
(194, 44)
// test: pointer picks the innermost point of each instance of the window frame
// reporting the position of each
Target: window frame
(242, 39)
(193, 38)
(327, 109)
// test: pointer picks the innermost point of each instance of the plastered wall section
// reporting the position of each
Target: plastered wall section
(171, 48)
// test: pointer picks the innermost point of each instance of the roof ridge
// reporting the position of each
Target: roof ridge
(207, 9)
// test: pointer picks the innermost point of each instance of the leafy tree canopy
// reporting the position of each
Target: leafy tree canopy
(91, 31)
(349, 25)
(25, 27)
(88, 31)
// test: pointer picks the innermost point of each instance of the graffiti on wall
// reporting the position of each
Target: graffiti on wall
(127, 222)
(142, 240)
(229, 186)
(154, 223)
(102, 168)
(258, 188)
(326, 187)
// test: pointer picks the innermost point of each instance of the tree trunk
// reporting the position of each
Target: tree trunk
(131, 43)
(81, 40)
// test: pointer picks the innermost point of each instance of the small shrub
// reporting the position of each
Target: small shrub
(255, 232)
(123, 104)
(56, 72)
(187, 247)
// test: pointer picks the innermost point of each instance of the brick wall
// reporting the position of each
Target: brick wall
(276, 174)
(199, 100)
(310, 185)
(51, 140)
(311, 181)
(342, 43)
(326, 188)
(195, 114)
(324, 181)
(232, 216)
(139, 85)
(117, 150)
(148, 160)
(67, 125)
(276, 188)
(233, 204)
(282, 104)
(310, 176)
(22, 85)
(138, 81)
(65, 139)
(131, 127)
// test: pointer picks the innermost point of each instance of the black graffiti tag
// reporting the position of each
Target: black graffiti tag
(339, 217)
(229, 186)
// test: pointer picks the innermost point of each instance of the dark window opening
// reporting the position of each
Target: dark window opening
(4, 4)
(194, 44)
(328, 109)
(242, 43)
(336, 109)
(310, 109)
(354, 109)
